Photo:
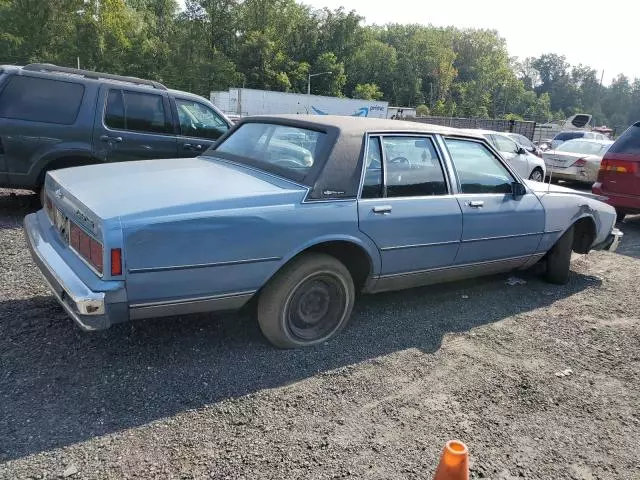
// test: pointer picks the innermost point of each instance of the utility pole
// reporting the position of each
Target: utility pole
(314, 75)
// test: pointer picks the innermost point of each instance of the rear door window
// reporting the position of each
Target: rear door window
(629, 141)
(41, 100)
(136, 111)
(413, 168)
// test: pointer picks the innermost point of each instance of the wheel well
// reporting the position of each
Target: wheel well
(355, 258)
(65, 162)
(584, 233)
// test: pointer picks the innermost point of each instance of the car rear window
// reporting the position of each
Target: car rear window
(628, 142)
(290, 151)
(41, 100)
(564, 136)
(585, 147)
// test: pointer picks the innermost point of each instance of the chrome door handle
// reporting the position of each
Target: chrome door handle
(189, 146)
(382, 209)
(476, 203)
(108, 138)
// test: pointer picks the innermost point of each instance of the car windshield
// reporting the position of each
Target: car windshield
(288, 151)
(584, 147)
(522, 140)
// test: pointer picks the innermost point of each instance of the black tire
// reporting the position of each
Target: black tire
(316, 286)
(537, 175)
(620, 215)
(41, 195)
(559, 259)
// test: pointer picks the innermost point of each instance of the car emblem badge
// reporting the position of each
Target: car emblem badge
(58, 193)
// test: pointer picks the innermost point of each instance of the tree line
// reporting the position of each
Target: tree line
(274, 44)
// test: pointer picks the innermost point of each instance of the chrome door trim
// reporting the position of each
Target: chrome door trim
(203, 265)
(419, 245)
(500, 237)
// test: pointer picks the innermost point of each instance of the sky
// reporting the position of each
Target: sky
(599, 36)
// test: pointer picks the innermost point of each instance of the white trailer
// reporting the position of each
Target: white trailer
(247, 101)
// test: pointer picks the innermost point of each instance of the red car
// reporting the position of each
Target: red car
(619, 175)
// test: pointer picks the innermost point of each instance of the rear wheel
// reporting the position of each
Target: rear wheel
(307, 302)
(559, 259)
(620, 215)
(537, 175)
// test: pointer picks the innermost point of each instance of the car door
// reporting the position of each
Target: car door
(406, 206)
(135, 125)
(497, 226)
(200, 126)
(510, 151)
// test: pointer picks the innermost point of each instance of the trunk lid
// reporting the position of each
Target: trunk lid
(152, 188)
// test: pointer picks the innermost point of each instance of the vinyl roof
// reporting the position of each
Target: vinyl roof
(361, 125)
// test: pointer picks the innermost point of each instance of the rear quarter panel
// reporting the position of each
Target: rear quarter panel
(230, 251)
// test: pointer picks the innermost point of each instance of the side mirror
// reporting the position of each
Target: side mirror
(518, 189)
(521, 151)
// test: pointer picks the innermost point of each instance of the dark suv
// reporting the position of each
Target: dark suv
(54, 117)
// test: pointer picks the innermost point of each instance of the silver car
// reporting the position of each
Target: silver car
(576, 160)
(527, 164)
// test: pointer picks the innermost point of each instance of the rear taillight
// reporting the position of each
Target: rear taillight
(580, 162)
(619, 166)
(116, 261)
(86, 246)
(48, 205)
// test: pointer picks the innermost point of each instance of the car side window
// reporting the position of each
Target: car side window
(199, 120)
(478, 170)
(41, 100)
(372, 185)
(413, 167)
(136, 111)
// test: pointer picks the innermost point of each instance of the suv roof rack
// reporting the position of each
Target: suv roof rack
(47, 67)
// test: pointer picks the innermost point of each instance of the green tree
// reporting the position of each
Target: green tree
(367, 91)
(329, 84)
(422, 110)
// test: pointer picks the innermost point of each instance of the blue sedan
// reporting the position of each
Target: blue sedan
(295, 215)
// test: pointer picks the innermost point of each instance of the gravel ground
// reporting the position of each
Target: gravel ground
(539, 381)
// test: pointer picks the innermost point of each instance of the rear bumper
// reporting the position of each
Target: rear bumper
(612, 241)
(628, 203)
(91, 309)
(572, 174)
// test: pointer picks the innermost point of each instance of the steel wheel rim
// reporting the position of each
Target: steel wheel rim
(315, 308)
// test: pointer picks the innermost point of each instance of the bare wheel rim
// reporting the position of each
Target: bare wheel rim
(536, 175)
(316, 307)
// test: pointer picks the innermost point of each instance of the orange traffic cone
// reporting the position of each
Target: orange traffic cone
(454, 462)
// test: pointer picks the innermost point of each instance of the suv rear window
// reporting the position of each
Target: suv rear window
(629, 141)
(41, 100)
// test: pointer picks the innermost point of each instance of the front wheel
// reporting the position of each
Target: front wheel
(559, 259)
(537, 175)
(307, 302)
